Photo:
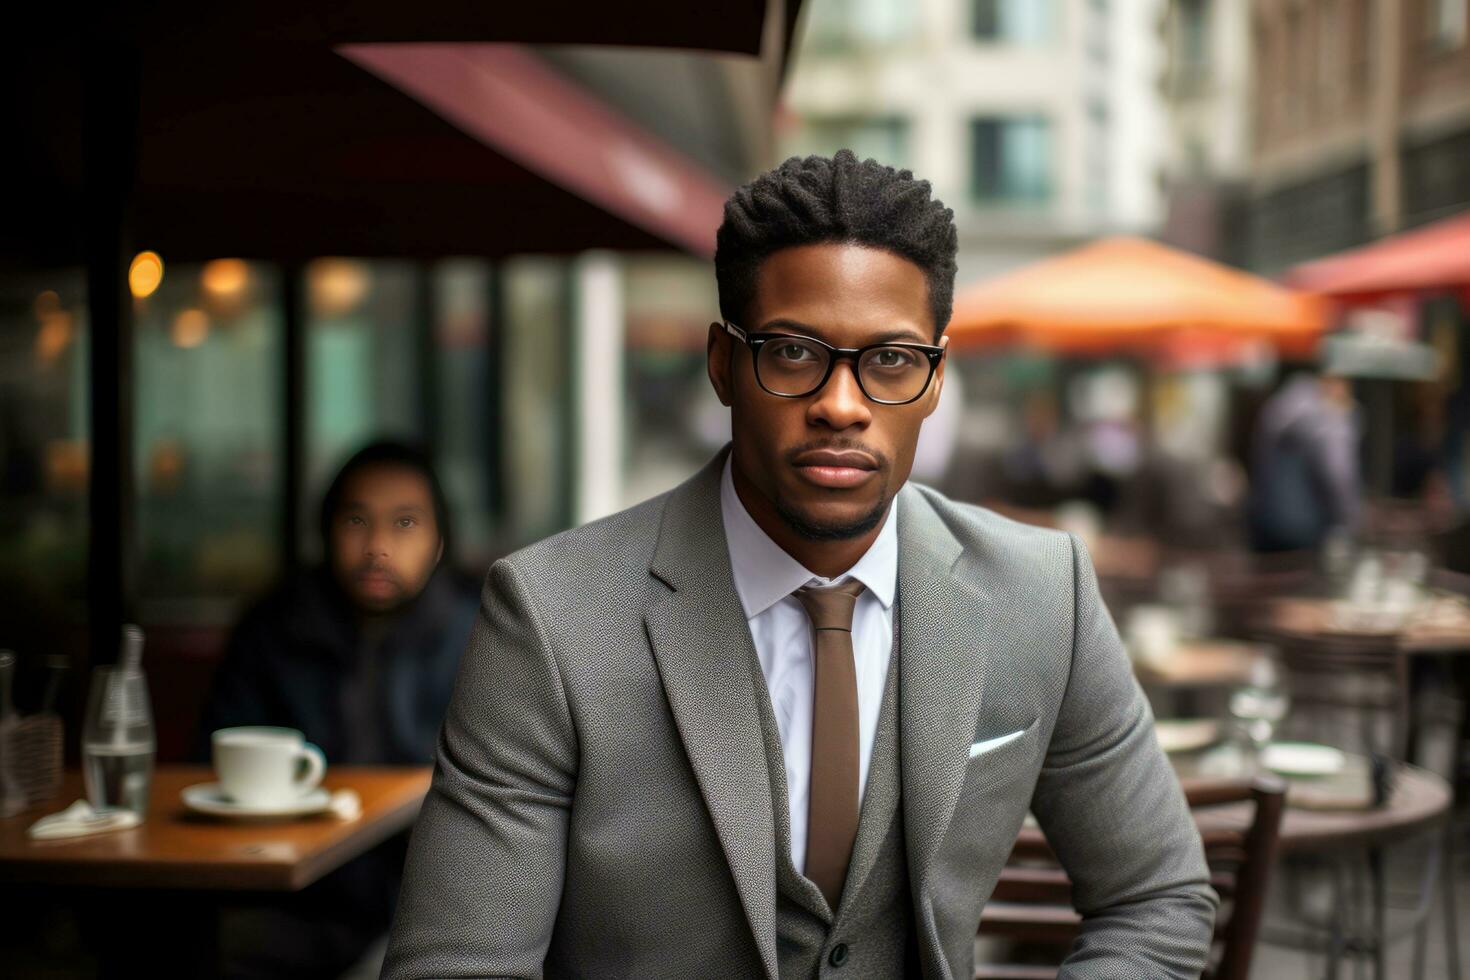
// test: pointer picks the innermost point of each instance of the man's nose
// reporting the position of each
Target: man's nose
(377, 543)
(841, 403)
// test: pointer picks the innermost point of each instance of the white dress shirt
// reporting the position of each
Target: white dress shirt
(765, 578)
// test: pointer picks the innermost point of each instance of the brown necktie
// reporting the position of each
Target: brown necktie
(832, 813)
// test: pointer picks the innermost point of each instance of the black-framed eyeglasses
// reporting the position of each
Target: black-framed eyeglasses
(792, 366)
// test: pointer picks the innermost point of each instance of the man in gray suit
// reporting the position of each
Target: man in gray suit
(787, 719)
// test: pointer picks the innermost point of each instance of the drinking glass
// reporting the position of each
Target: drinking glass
(117, 740)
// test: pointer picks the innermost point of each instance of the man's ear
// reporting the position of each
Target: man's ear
(440, 556)
(717, 354)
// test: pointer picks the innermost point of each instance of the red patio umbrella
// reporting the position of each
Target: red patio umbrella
(1428, 259)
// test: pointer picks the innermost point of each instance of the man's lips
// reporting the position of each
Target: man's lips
(376, 580)
(836, 469)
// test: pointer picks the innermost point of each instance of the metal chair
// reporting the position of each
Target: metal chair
(1032, 901)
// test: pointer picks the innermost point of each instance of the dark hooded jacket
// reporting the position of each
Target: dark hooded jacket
(298, 659)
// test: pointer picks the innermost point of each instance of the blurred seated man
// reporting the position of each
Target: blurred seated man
(360, 655)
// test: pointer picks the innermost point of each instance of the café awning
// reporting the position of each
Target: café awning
(1130, 295)
(1429, 259)
(277, 143)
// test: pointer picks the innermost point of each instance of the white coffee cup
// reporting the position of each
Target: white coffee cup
(263, 766)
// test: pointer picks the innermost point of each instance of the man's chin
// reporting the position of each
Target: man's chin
(378, 604)
(831, 523)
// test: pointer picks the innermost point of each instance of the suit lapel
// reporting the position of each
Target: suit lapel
(942, 624)
(704, 651)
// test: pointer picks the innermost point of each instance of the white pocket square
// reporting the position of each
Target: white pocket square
(991, 744)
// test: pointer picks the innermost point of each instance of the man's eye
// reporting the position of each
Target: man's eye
(354, 519)
(406, 522)
(792, 352)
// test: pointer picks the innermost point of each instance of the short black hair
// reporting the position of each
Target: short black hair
(813, 200)
(386, 453)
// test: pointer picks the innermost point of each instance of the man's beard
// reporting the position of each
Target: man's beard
(815, 531)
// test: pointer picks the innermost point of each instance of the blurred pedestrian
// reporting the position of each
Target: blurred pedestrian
(359, 654)
(1306, 481)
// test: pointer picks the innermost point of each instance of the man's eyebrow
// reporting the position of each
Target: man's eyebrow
(396, 508)
(889, 336)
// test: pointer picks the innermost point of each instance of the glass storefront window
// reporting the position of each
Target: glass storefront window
(44, 451)
(363, 369)
(538, 397)
(462, 298)
(207, 407)
(674, 419)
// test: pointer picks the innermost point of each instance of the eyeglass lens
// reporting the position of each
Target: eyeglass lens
(796, 366)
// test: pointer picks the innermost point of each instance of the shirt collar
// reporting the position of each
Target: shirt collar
(765, 574)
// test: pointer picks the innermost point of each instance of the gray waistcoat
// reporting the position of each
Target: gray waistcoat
(875, 920)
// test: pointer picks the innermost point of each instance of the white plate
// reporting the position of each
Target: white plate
(1303, 759)
(1186, 734)
(211, 799)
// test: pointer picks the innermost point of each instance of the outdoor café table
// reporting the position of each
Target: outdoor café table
(1315, 641)
(1197, 675)
(1419, 800)
(179, 862)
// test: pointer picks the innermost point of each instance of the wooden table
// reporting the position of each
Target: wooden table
(1418, 801)
(177, 849)
(1199, 663)
(1317, 644)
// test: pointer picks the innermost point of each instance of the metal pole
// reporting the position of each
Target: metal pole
(495, 414)
(426, 323)
(111, 87)
(293, 416)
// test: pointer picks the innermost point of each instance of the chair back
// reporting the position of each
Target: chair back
(1032, 901)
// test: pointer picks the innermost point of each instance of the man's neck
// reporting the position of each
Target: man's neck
(827, 558)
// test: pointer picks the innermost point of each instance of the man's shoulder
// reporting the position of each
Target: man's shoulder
(597, 551)
(997, 539)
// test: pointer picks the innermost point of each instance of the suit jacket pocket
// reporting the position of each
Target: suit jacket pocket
(996, 758)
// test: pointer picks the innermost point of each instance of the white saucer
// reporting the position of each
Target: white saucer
(1303, 759)
(1186, 734)
(211, 799)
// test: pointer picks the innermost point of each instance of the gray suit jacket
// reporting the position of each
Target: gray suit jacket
(601, 807)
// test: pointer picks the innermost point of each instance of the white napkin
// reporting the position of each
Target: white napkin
(79, 820)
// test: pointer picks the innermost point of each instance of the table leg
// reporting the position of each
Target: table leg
(1451, 911)
(1379, 938)
(1336, 939)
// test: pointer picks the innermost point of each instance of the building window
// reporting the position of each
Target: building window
(1012, 21)
(883, 138)
(836, 25)
(1194, 39)
(1446, 23)
(1011, 160)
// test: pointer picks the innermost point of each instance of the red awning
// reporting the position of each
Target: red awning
(504, 96)
(1435, 257)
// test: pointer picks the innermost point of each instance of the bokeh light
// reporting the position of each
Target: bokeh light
(225, 278)
(145, 274)
(190, 328)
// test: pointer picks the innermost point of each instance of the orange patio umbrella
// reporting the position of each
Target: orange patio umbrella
(1129, 295)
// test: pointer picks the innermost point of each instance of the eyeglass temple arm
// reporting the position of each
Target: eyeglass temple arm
(734, 330)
